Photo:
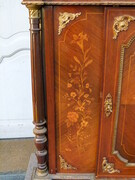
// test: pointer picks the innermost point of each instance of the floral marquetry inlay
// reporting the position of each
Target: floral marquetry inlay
(79, 90)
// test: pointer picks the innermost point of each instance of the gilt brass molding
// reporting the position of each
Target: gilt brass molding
(65, 18)
(84, 3)
(108, 167)
(65, 165)
(122, 56)
(121, 23)
(34, 13)
(108, 105)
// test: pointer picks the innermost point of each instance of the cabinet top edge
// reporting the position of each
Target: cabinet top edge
(81, 2)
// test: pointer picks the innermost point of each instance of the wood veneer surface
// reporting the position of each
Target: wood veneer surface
(78, 80)
(117, 131)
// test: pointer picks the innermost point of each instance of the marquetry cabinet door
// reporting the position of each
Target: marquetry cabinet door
(78, 59)
(117, 128)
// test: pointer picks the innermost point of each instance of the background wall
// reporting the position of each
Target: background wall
(15, 76)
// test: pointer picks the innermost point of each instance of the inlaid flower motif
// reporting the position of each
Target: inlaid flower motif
(69, 74)
(73, 94)
(86, 95)
(79, 39)
(72, 118)
(87, 85)
(69, 85)
(82, 108)
(90, 90)
(84, 123)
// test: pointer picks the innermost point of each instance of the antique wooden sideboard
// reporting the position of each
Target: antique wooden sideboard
(83, 83)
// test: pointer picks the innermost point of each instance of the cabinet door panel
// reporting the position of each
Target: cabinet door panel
(117, 131)
(78, 78)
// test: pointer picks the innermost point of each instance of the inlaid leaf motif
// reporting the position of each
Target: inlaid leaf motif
(76, 60)
(86, 53)
(88, 63)
(79, 91)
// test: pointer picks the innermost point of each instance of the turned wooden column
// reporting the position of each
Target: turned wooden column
(39, 121)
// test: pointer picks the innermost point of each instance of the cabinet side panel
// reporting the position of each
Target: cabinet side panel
(78, 78)
(49, 82)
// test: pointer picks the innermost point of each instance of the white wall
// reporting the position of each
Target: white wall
(15, 76)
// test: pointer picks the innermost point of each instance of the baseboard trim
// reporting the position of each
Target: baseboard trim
(31, 173)
(12, 176)
(88, 176)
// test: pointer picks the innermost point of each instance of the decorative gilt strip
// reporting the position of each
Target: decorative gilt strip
(64, 164)
(108, 105)
(108, 167)
(109, 3)
(65, 18)
(121, 23)
(114, 151)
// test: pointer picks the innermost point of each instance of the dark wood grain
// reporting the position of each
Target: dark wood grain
(49, 77)
(40, 130)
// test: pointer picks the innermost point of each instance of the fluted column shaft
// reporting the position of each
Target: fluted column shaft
(40, 129)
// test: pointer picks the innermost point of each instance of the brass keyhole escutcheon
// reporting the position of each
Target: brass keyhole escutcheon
(108, 107)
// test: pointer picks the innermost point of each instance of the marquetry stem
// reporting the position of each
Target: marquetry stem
(40, 129)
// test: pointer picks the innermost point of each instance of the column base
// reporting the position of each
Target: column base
(41, 173)
(36, 175)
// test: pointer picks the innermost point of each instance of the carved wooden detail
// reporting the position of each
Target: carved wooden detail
(40, 129)
(41, 144)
